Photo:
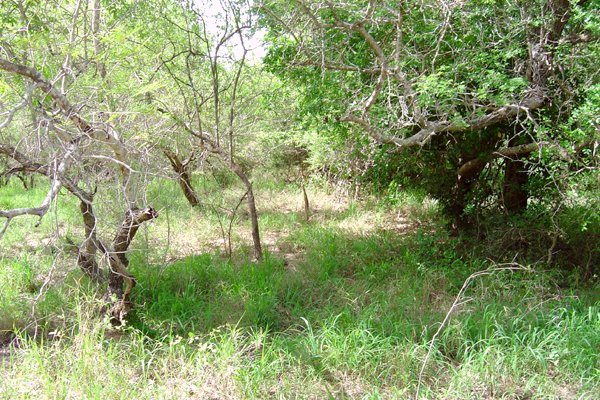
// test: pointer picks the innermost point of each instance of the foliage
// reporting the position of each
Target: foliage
(351, 289)
(450, 65)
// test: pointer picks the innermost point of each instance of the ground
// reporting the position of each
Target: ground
(344, 306)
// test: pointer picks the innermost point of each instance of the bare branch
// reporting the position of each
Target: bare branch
(470, 167)
(510, 267)
(89, 130)
(26, 100)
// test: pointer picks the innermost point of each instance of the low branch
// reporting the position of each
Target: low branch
(532, 101)
(470, 167)
(29, 166)
(58, 181)
(50, 196)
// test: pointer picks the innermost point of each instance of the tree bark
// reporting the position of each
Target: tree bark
(86, 259)
(183, 176)
(458, 201)
(119, 274)
(514, 190)
(306, 204)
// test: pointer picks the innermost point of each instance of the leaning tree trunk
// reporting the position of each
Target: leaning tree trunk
(251, 209)
(239, 171)
(119, 274)
(213, 146)
(183, 176)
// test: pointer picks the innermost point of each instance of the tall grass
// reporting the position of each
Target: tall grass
(342, 306)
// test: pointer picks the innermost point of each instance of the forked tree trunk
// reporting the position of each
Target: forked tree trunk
(237, 169)
(213, 146)
(119, 274)
(183, 176)
(118, 260)
(133, 218)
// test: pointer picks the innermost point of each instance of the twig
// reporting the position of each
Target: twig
(457, 301)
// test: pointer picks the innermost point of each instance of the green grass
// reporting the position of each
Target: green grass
(341, 307)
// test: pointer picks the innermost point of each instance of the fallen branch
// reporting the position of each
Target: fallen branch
(459, 301)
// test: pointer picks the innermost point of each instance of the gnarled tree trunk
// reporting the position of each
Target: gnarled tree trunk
(119, 274)
(86, 259)
(183, 176)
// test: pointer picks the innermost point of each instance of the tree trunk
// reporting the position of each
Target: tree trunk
(514, 191)
(118, 261)
(467, 176)
(183, 176)
(214, 148)
(251, 202)
(458, 203)
(254, 218)
(86, 259)
(306, 204)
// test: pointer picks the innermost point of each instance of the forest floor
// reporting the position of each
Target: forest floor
(344, 306)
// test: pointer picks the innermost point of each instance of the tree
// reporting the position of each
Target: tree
(210, 71)
(70, 145)
(472, 83)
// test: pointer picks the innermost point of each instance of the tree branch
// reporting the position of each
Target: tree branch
(86, 128)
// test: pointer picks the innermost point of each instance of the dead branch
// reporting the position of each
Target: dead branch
(459, 300)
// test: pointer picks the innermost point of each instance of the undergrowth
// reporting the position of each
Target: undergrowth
(343, 306)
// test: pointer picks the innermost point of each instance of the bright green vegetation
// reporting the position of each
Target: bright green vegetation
(448, 149)
(343, 306)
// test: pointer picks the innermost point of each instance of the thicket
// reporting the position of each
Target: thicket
(299, 223)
